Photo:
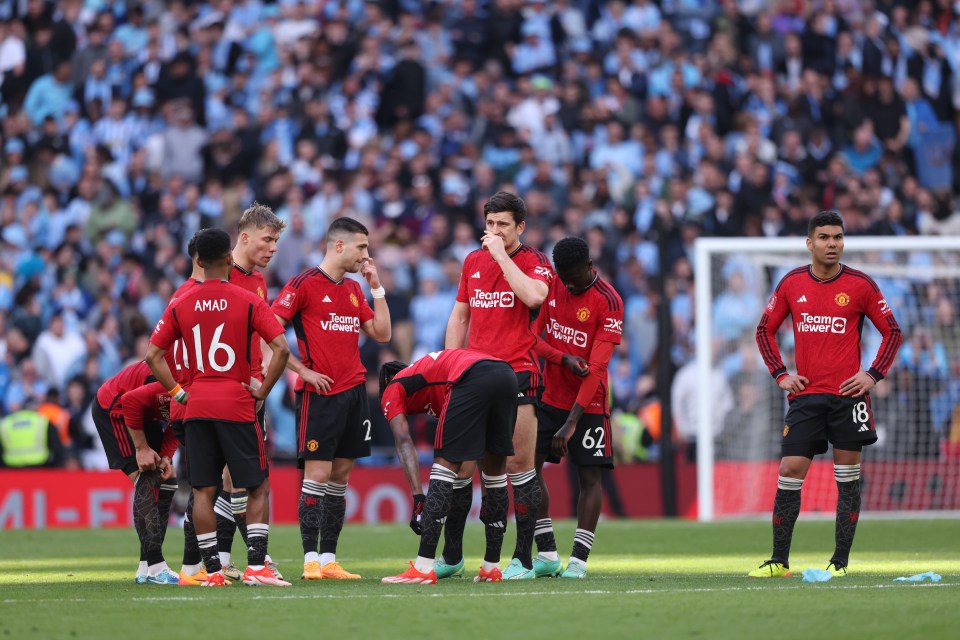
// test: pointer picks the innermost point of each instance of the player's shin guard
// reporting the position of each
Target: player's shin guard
(146, 514)
(526, 502)
(543, 535)
(848, 510)
(208, 551)
(257, 534)
(493, 514)
(786, 508)
(226, 525)
(238, 505)
(436, 509)
(460, 502)
(164, 500)
(310, 514)
(331, 518)
(191, 551)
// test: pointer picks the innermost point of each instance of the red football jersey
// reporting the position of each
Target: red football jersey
(499, 322)
(572, 324)
(253, 282)
(424, 386)
(827, 321)
(217, 322)
(326, 315)
(129, 378)
(179, 366)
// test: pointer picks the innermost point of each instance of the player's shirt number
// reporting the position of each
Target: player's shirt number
(861, 415)
(589, 441)
(216, 350)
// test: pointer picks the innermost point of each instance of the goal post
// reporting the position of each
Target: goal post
(915, 466)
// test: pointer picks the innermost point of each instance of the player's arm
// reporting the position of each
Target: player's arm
(600, 356)
(377, 327)
(531, 291)
(393, 407)
(773, 316)
(265, 323)
(882, 318)
(136, 403)
(319, 381)
(457, 326)
(551, 354)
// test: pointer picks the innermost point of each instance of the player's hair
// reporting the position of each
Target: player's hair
(506, 201)
(387, 373)
(570, 253)
(259, 216)
(345, 226)
(212, 245)
(192, 245)
(828, 218)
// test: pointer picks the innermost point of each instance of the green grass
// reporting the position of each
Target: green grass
(648, 579)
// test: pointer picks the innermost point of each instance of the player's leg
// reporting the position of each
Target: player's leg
(226, 525)
(547, 562)
(206, 468)
(526, 492)
(588, 513)
(312, 413)
(192, 572)
(804, 436)
(450, 562)
(851, 428)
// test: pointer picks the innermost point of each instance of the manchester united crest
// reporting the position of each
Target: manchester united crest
(786, 430)
(261, 293)
(354, 300)
(312, 445)
(583, 314)
(841, 299)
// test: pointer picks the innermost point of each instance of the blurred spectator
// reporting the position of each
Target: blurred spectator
(28, 439)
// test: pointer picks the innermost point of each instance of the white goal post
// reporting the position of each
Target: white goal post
(734, 482)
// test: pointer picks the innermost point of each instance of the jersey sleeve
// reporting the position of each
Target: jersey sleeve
(288, 302)
(610, 326)
(881, 315)
(167, 330)
(778, 308)
(140, 401)
(264, 322)
(538, 270)
(462, 295)
(365, 311)
(168, 446)
(394, 401)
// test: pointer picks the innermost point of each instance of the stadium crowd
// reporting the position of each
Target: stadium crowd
(126, 126)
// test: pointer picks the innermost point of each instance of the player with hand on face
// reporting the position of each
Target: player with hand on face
(577, 329)
(328, 312)
(501, 287)
(829, 394)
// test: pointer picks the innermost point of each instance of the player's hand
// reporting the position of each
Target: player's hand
(321, 382)
(416, 522)
(561, 438)
(857, 385)
(494, 244)
(255, 386)
(257, 393)
(147, 459)
(369, 272)
(576, 364)
(794, 383)
(166, 468)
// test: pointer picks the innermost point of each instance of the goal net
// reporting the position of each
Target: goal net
(915, 465)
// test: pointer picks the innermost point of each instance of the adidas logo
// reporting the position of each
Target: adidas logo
(863, 427)
(476, 275)
(598, 454)
(326, 299)
(520, 395)
(553, 303)
(802, 299)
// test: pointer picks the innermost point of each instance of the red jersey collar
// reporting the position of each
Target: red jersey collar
(327, 276)
(242, 270)
(821, 280)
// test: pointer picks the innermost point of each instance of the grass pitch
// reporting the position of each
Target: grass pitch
(647, 579)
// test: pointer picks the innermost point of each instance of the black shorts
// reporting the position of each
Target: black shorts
(117, 443)
(590, 444)
(214, 443)
(336, 426)
(814, 420)
(480, 414)
(529, 387)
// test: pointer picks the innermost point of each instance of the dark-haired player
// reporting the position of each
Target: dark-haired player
(217, 322)
(153, 492)
(501, 287)
(328, 311)
(828, 395)
(258, 233)
(578, 328)
(475, 399)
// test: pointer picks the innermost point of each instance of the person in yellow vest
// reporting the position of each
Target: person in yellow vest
(27, 439)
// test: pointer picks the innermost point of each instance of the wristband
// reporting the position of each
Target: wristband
(178, 394)
(378, 293)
